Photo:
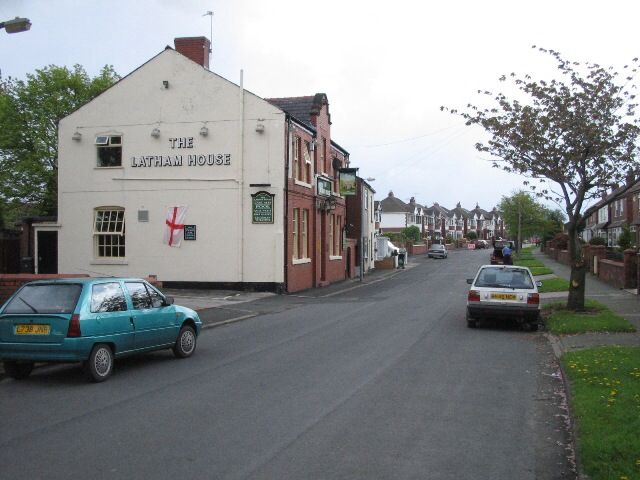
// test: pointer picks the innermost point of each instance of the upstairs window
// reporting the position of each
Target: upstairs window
(109, 150)
(306, 165)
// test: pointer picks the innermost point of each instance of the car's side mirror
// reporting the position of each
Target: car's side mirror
(168, 300)
(469, 281)
(538, 283)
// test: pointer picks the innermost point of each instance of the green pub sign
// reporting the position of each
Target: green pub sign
(262, 207)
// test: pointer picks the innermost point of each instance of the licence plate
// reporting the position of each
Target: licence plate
(503, 296)
(32, 329)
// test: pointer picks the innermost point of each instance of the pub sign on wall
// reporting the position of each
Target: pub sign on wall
(262, 207)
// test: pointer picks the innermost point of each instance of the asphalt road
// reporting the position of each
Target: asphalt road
(380, 382)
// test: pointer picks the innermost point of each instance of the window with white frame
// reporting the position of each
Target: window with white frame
(618, 208)
(295, 233)
(603, 214)
(109, 232)
(332, 221)
(304, 237)
(300, 234)
(306, 165)
(109, 150)
(337, 248)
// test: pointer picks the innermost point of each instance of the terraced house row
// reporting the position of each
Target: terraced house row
(616, 210)
(437, 222)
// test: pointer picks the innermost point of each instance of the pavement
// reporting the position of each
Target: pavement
(625, 303)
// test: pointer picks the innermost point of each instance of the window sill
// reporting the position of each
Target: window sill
(301, 261)
(335, 257)
(109, 261)
(302, 184)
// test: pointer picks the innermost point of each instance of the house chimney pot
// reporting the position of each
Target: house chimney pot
(194, 48)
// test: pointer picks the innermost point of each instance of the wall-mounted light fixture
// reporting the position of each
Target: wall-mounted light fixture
(204, 131)
(77, 136)
(155, 133)
(165, 83)
(260, 127)
(312, 145)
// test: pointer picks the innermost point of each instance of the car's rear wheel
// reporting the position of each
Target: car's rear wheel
(471, 322)
(18, 370)
(99, 367)
(186, 342)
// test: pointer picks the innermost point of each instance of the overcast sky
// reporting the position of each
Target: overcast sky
(386, 67)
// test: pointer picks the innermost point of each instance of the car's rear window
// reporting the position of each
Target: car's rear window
(59, 298)
(504, 277)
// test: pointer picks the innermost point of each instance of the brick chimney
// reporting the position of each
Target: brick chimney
(195, 48)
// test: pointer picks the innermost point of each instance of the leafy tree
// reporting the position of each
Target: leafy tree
(522, 215)
(472, 235)
(576, 136)
(29, 114)
(412, 234)
(552, 224)
(625, 240)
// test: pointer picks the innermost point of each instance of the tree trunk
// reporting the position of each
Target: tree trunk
(578, 271)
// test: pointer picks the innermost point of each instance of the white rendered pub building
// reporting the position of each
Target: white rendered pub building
(177, 172)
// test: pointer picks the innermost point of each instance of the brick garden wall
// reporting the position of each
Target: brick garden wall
(611, 272)
(416, 249)
(619, 274)
(9, 283)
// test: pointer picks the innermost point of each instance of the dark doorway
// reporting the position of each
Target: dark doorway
(349, 262)
(47, 252)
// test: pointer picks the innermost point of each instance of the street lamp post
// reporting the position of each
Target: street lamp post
(16, 25)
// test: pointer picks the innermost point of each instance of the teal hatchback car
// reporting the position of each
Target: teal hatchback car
(93, 321)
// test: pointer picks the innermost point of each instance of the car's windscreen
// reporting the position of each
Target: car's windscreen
(437, 247)
(504, 277)
(59, 298)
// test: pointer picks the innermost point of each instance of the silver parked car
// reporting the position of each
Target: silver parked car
(503, 292)
(437, 250)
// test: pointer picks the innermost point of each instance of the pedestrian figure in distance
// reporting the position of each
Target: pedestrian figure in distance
(506, 255)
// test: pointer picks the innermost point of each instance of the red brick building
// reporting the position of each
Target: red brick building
(316, 213)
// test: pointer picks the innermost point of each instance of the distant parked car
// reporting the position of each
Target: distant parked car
(481, 244)
(93, 321)
(437, 250)
(503, 292)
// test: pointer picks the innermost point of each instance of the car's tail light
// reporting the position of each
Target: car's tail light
(533, 299)
(74, 326)
(474, 296)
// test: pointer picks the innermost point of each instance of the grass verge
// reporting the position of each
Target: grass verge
(528, 263)
(540, 271)
(605, 402)
(554, 285)
(596, 318)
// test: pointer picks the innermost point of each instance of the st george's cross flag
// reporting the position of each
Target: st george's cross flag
(174, 231)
